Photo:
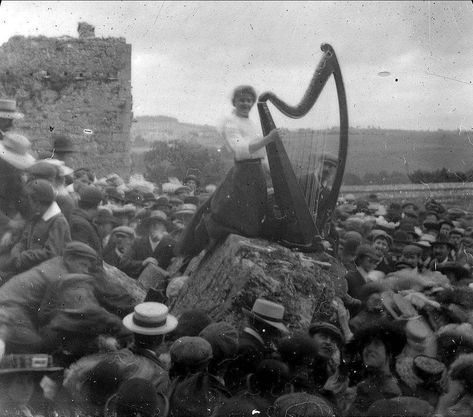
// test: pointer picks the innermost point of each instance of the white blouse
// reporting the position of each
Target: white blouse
(238, 133)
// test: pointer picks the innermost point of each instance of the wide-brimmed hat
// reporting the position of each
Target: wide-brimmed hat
(14, 149)
(150, 319)
(389, 332)
(302, 404)
(20, 363)
(326, 328)
(8, 109)
(269, 312)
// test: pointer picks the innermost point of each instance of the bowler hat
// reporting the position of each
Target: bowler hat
(62, 144)
(268, 311)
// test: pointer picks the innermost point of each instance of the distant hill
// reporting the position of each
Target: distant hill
(163, 128)
(371, 150)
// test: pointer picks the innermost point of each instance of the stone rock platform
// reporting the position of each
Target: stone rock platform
(242, 269)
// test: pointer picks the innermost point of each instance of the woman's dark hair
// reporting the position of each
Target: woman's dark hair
(243, 89)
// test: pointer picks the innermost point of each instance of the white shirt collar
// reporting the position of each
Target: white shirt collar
(153, 244)
(51, 211)
(254, 334)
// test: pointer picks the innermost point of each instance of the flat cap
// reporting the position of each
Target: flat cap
(43, 170)
(192, 351)
(80, 249)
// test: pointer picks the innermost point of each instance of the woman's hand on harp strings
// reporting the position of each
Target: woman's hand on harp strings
(261, 143)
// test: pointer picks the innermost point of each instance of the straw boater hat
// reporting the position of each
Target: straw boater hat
(26, 363)
(8, 109)
(150, 319)
(14, 149)
(269, 312)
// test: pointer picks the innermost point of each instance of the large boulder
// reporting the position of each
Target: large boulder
(119, 279)
(240, 270)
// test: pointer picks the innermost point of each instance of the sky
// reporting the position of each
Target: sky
(406, 65)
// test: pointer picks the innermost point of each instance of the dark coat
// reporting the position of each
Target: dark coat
(355, 282)
(41, 240)
(250, 353)
(110, 255)
(385, 266)
(132, 260)
(84, 230)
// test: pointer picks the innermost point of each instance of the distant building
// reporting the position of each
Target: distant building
(79, 86)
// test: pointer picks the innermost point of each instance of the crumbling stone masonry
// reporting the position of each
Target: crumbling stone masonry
(79, 86)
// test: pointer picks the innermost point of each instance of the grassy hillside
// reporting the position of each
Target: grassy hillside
(370, 150)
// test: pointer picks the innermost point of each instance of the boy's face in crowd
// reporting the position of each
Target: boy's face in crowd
(374, 303)
(123, 242)
(440, 252)
(81, 182)
(445, 229)
(381, 247)
(325, 344)
(374, 354)
(455, 239)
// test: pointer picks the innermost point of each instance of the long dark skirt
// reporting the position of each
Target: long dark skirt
(238, 206)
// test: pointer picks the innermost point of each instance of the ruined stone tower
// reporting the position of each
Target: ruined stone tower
(78, 86)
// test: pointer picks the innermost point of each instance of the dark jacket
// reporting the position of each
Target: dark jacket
(41, 240)
(84, 230)
(355, 282)
(131, 262)
(250, 353)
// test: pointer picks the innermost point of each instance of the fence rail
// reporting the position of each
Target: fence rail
(446, 193)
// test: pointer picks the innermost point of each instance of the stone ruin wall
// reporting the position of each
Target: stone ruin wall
(78, 86)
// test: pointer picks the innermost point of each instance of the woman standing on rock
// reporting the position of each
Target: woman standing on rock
(239, 204)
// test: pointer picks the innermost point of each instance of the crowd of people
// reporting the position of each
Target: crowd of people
(74, 344)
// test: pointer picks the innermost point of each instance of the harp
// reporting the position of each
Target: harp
(302, 226)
